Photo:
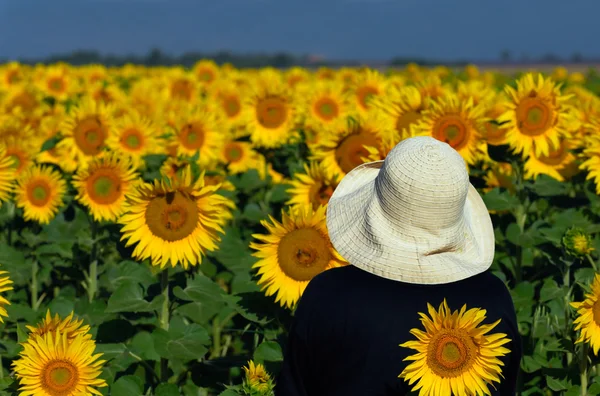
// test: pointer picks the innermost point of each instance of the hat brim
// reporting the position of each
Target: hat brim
(359, 232)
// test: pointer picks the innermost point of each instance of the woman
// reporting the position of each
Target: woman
(417, 309)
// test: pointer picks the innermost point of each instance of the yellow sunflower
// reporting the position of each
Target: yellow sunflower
(40, 191)
(181, 85)
(367, 85)
(257, 380)
(7, 175)
(102, 187)
(5, 285)
(313, 187)
(21, 99)
(455, 354)
(11, 74)
(401, 109)
(537, 113)
(239, 157)
(68, 326)
(86, 130)
(175, 222)
(591, 162)
(494, 135)
(206, 71)
(229, 98)
(296, 76)
(106, 93)
(478, 91)
(57, 82)
(499, 174)
(199, 130)
(50, 365)
(458, 123)
(552, 164)
(588, 317)
(431, 88)
(323, 104)
(294, 252)
(134, 136)
(269, 113)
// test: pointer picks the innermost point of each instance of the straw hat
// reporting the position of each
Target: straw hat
(414, 217)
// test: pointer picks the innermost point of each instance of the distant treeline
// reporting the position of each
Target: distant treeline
(156, 57)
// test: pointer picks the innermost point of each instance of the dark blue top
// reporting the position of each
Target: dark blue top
(348, 325)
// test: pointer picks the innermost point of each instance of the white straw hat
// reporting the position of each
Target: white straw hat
(414, 217)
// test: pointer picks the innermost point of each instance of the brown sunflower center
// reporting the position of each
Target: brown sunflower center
(326, 108)
(271, 112)
(206, 75)
(407, 119)
(320, 193)
(451, 352)
(104, 186)
(56, 84)
(231, 105)
(311, 136)
(24, 100)
(453, 130)
(555, 156)
(60, 378)
(596, 312)
(233, 152)
(182, 89)
(192, 136)
(534, 116)
(89, 135)
(13, 76)
(132, 139)
(38, 193)
(303, 253)
(351, 150)
(172, 216)
(364, 95)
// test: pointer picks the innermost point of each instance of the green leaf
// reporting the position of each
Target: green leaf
(21, 333)
(500, 200)
(556, 385)
(234, 252)
(186, 344)
(584, 276)
(13, 261)
(546, 186)
(129, 297)
(129, 271)
(594, 389)
(529, 365)
(268, 351)
(51, 143)
(110, 351)
(255, 213)
(551, 291)
(142, 345)
(129, 385)
(279, 193)
(167, 390)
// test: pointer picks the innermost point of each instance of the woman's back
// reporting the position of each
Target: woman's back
(349, 325)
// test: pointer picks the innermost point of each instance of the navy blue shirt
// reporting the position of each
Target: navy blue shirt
(345, 336)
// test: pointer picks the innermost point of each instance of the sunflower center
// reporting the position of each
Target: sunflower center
(351, 150)
(132, 139)
(596, 312)
(451, 352)
(192, 136)
(271, 112)
(60, 377)
(25, 100)
(90, 135)
(233, 152)
(320, 193)
(172, 216)
(405, 120)
(534, 116)
(326, 108)
(451, 129)
(56, 84)
(38, 193)
(104, 186)
(231, 105)
(364, 95)
(182, 89)
(303, 253)
(206, 75)
(16, 161)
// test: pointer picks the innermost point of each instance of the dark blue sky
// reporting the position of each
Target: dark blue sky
(363, 29)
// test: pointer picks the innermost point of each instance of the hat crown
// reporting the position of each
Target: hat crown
(423, 184)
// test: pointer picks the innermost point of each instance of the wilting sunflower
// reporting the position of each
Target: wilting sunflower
(134, 136)
(51, 365)
(68, 326)
(458, 123)
(175, 222)
(367, 85)
(40, 191)
(537, 113)
(553, 164)
(199, 131)
(401, 109)
(455, 353)
(346, 146)
(5, 285)
(324, 104)
(313, 187)
(269, 113)
(7, 175)
(239, 157)
(86, 130)
(103, 186)
(294, 252)
(588, 316)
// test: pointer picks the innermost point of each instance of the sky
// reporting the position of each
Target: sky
(336, 29)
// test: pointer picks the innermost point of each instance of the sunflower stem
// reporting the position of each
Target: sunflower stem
(34, 285)
(93, 271)
(164, 320)
(591, 260)
(583, 369)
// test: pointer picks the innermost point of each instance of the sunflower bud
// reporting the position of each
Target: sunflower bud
(576, 242)
(257, 381)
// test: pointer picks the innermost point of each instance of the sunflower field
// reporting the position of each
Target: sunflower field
(158, 225)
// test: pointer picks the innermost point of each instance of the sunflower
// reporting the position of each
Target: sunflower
(557, 160)
(431, 88)
(21, 98)
(175, 222)
(367, 85)
(458, 123)
(50, 365)
(57, 82)
(11, 74)
(296, 76)
(134, 136)
(323, 104)
(198, 130)
(313, 187)
(455, 353)
(68, 326)
(104, 184)
(346, 146)
(7, 175)
(21, 154)
(294, 252)
(591, 163)
(588, 319)
(172, 167)
(537, 113)
(106, 93)
(5, 285)
(494, 135)
(181, 86)
(257, 380)
(206, 71)
(86, 130)
(239, 157)
(269, 113)
(478, 91)
(401, 109)
(40, 191)
(146, 97)
(228, 96)
(499, 174)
